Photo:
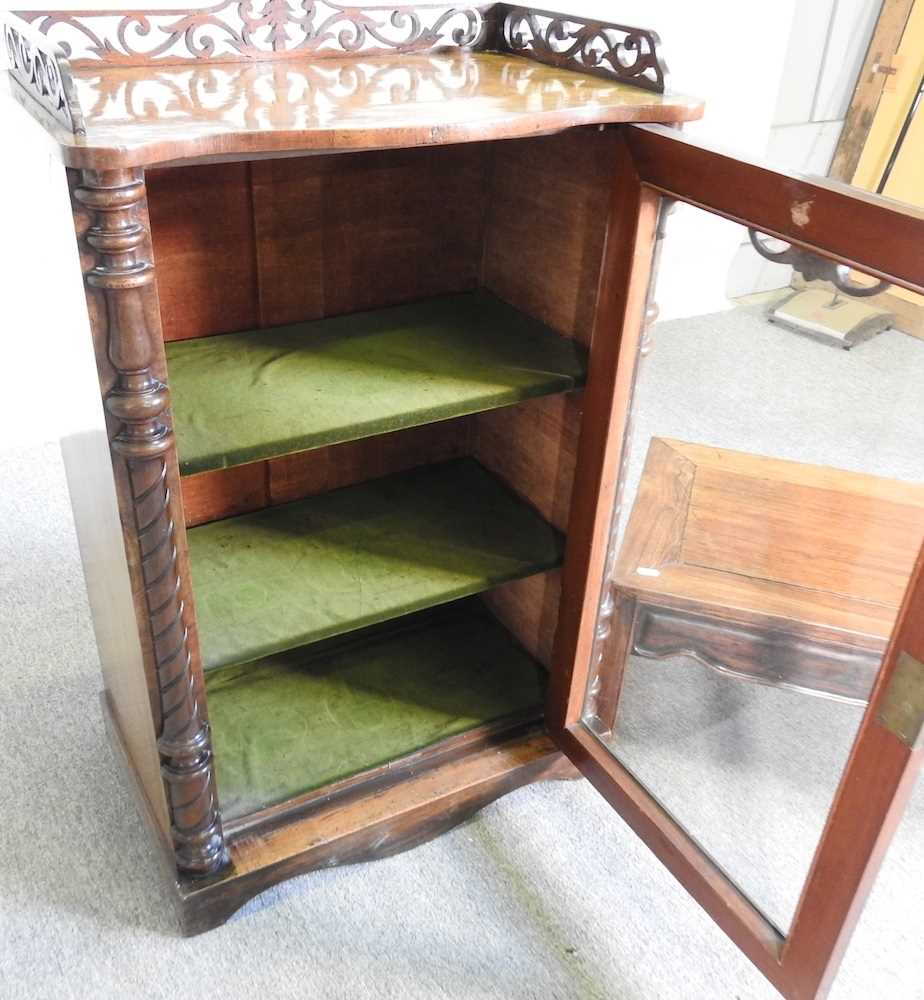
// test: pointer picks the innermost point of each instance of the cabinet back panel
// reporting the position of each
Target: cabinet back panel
(241, 246)
(204, 251)
(210, 496)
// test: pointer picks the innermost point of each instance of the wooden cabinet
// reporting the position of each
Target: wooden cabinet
(367, 290)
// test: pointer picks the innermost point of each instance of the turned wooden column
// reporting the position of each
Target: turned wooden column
(144, 461)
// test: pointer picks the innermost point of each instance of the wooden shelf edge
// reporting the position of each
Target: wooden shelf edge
(374, 823)
(368, 828)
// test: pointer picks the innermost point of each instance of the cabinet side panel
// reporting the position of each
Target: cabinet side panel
(113, 229)
(546, 222)
(548, 204)
(130, 689)
(532, 447)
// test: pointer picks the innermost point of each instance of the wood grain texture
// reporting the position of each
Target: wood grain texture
(361, 229)
(825, 552)
(532, 448)
(203, 237)
(130, 355)
(209, 496)
(878, 236)
(886, 39)
(547, 212)
(314, 472)
(631, 230)
(543, 251)
(529, 610)
(371, 825)
(314, 236)
(224, 493)
(416, 99)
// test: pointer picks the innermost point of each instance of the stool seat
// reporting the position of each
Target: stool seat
(784, 572)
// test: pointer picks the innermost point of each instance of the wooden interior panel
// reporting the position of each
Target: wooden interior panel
(214, 495)
(312, 472)
(547, 212)
(340, 233)
(241, 246)
(288, 198)
(202, 233)
(401, 225)
(529, 610)
(532, 447)
(225, 493)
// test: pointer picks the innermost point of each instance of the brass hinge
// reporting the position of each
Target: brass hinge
(902, 708)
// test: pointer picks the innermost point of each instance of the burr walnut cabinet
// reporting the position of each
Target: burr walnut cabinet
(367, 289)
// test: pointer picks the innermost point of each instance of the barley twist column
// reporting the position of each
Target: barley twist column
(141, 437)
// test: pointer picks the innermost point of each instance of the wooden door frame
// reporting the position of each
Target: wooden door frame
(886, 38)
(855, 228)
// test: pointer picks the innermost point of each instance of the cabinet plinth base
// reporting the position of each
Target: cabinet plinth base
(424, 803)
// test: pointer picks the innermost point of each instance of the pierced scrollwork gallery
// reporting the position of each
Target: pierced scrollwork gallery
(237, 30)
(612, 50)
(41, 69)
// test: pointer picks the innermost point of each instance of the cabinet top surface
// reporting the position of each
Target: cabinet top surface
(110, 108)
(147, 115)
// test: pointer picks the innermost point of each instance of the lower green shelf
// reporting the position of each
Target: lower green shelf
(300, 720)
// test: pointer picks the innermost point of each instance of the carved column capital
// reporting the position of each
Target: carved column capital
(141, 439)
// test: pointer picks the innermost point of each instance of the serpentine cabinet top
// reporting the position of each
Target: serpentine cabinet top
(243, 78)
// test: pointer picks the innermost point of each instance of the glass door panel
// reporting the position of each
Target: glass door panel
(771, 506)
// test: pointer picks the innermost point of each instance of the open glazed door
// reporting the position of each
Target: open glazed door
(739, 667)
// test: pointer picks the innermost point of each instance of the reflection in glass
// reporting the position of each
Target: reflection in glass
(772, 505)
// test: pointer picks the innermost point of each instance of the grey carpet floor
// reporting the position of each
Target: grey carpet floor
(545, 893)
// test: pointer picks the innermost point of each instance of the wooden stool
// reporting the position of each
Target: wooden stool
(779, 572)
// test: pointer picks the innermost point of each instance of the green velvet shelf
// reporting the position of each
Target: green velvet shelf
(300, 720)
(247, 396)
(294, 574)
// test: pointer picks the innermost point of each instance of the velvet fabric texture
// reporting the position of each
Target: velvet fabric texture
(289, 575)
(241, 397)
(300, 720)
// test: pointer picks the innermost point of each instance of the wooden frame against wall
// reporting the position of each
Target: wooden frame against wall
(884, 239)
(874, 74)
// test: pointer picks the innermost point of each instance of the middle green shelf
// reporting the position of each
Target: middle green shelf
(244, 397)
(300, 572)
